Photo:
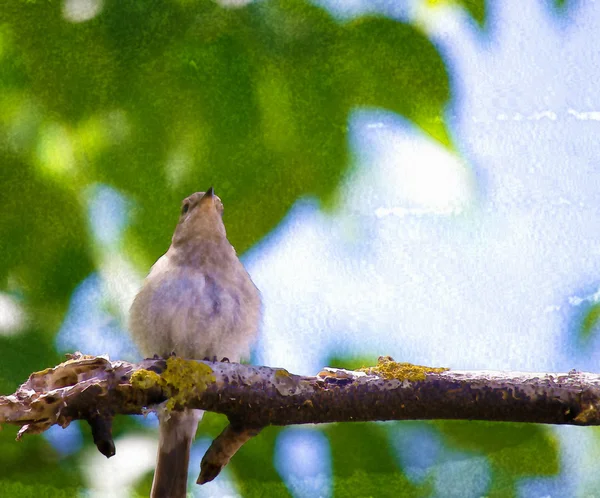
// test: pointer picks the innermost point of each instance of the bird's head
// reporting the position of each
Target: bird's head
(201, 218)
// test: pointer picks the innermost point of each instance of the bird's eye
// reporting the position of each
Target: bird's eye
(185, 208)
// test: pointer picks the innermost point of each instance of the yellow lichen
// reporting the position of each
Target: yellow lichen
(181, 380)
(390, 369)
(281, 372)
(187, 379)
(145, 379)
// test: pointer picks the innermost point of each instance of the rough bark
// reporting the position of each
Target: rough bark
(252, 397)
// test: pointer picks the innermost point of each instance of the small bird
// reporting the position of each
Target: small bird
(198, 302)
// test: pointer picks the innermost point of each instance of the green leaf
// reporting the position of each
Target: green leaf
(381, 61)
(476, 8)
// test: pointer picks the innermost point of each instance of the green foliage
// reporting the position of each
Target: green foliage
(589, 324)
(259, 488)
(43, 239)
(475, 8)
(253, 100)
(363, 462)
(514, 450)
(560, 5)
(24, 353)
(351, 363)
(31, 465)
(361, 484)
(254, 462)
(17, 489)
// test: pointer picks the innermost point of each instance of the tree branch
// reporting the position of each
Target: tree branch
(95, 389)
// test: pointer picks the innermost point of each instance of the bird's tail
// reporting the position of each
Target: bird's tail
(177, 431)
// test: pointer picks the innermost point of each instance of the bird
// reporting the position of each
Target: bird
(198, 302)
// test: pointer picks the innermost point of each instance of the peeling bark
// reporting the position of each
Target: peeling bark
(96, 389)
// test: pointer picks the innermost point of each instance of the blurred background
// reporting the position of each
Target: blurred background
(414, 178)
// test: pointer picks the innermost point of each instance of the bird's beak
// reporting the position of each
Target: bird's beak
(208, 199)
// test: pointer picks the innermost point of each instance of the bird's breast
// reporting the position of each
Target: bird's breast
(197, 314)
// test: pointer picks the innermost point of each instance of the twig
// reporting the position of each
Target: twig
(96, 389)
